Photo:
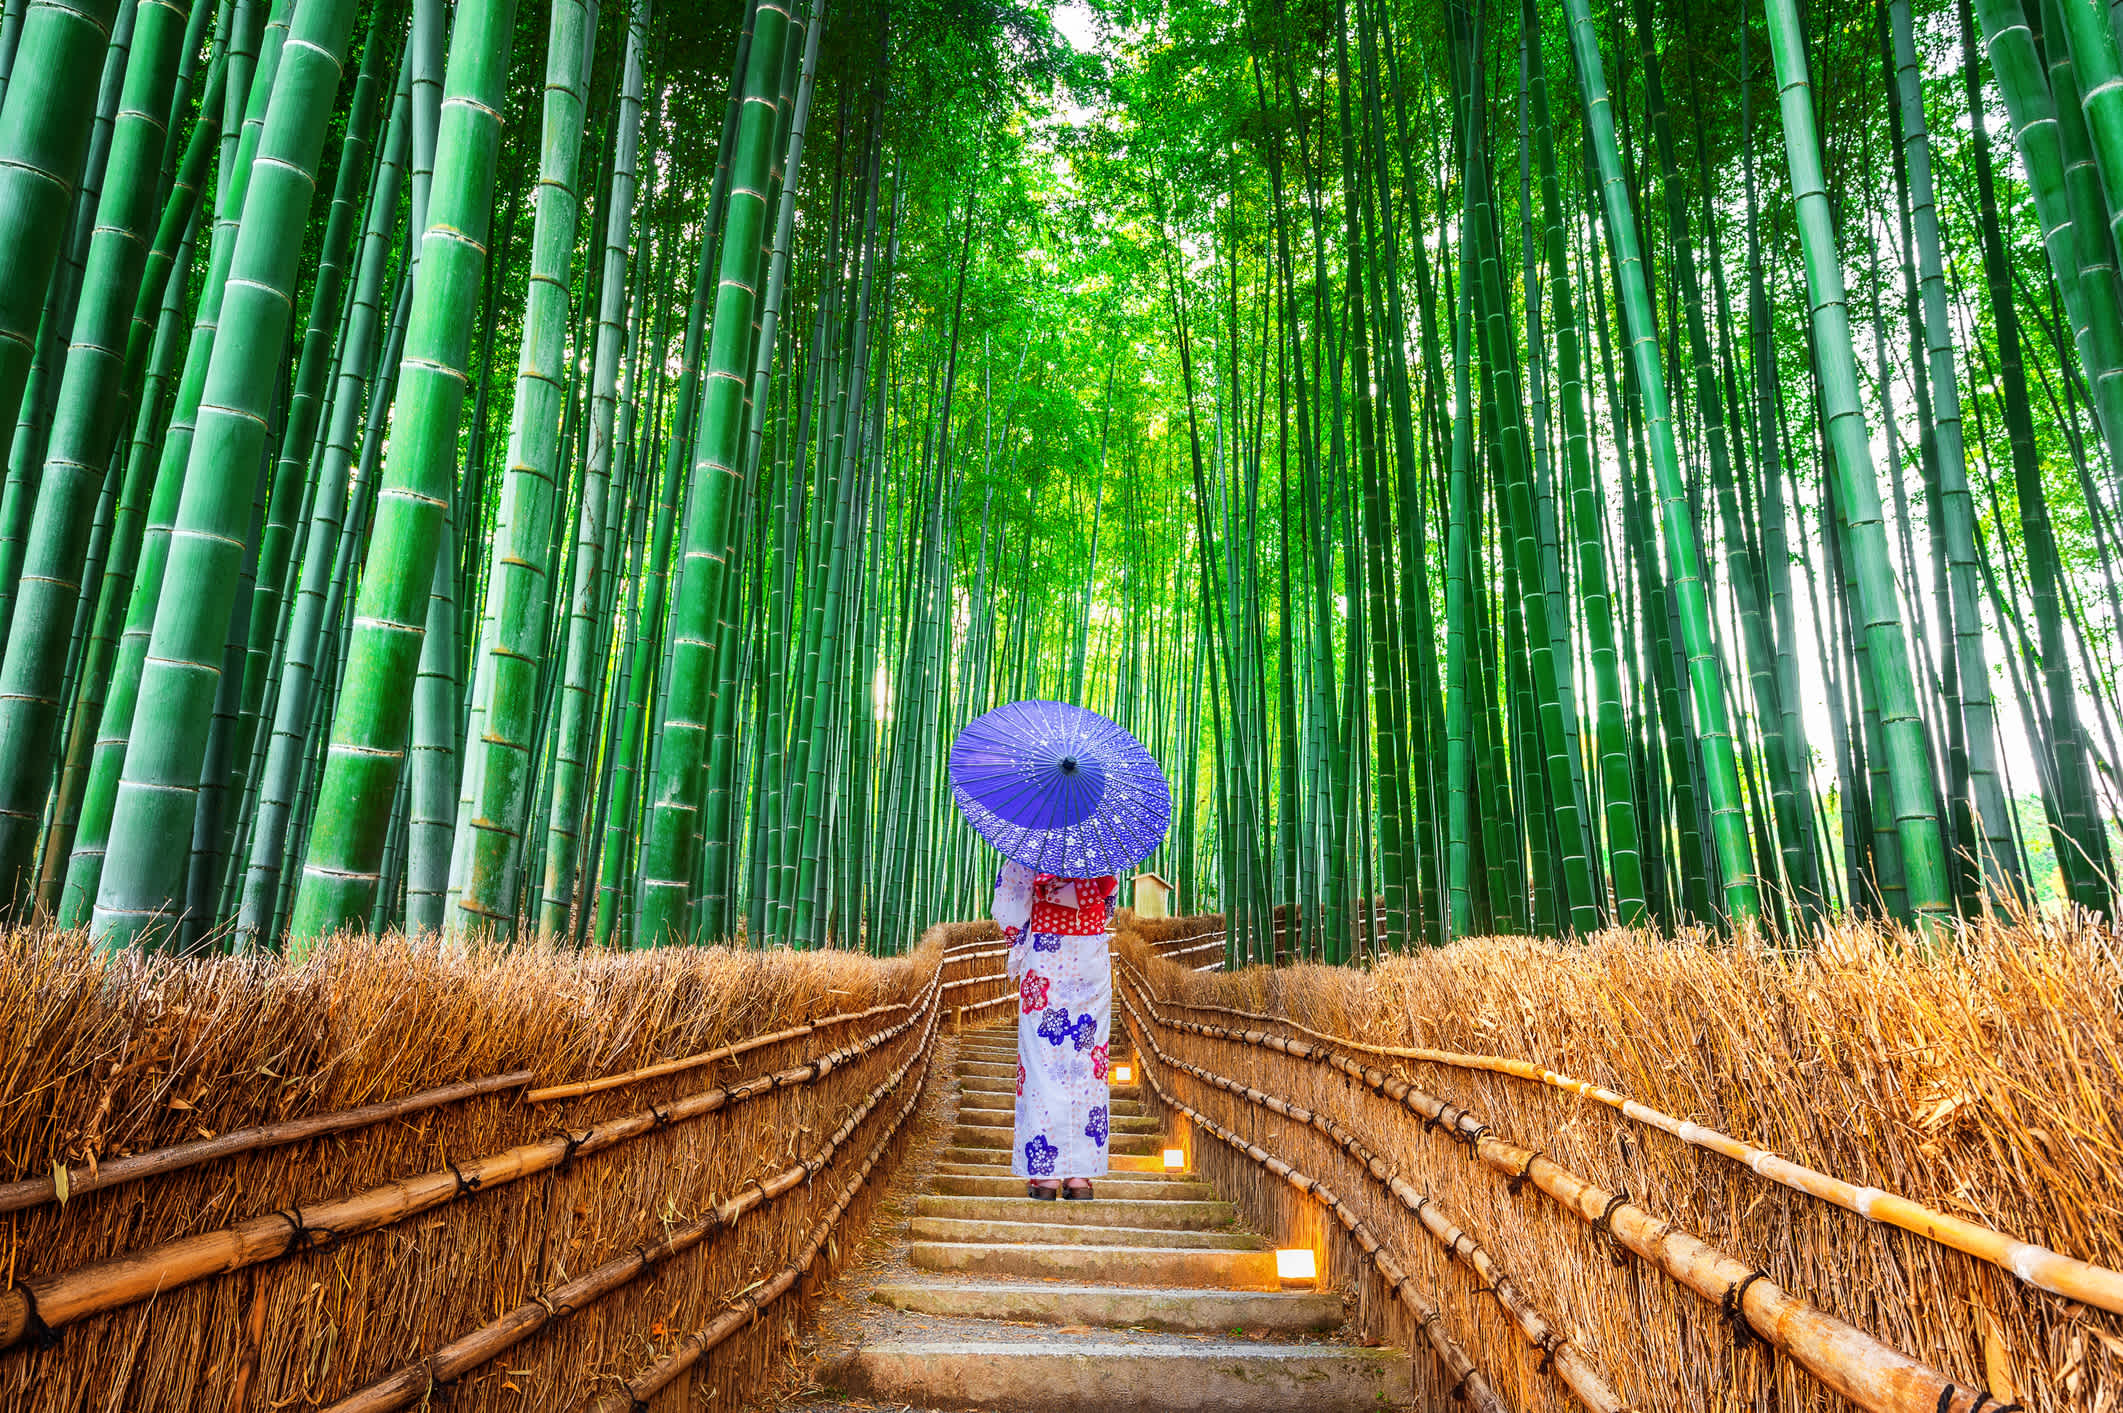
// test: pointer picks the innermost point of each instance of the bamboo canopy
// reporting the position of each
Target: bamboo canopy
(565, 472)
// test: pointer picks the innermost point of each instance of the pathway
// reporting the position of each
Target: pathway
(1149, 1297)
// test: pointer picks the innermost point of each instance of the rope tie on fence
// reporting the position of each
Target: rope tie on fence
(1734, 1309)
(1549, 1343)
(1616, 1252)
(567, 1156)
(1984, 1402)
(300, 1235)
(659, 1118)
(39, 1334)
(464, 1184)
(1517, 1183)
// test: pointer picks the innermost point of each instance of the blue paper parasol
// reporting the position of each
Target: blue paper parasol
(1059, 789)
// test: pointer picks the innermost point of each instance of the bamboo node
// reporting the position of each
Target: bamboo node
(1735, 1311)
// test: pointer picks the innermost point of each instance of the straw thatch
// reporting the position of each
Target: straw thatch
(1980, 1079)
(111, 1056)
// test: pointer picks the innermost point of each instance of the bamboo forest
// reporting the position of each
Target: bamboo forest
(565, 472)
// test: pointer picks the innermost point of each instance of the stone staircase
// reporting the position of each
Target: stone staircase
(1149, 1297)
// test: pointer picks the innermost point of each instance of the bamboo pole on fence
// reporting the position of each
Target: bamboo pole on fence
(1468, 1384)
(2027, 1261)
(34, 1192)
(1850, 1362)
(705, 1057)
(636, 1392)
(459, 1357)
(1559, 1351)
(40, 1305)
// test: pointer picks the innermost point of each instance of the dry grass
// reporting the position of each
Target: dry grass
(1985, 1079)
(103, 1056)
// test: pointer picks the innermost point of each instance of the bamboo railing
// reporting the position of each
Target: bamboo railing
(648, 1207)
(1438, 1167)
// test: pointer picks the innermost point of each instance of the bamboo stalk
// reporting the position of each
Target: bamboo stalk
(34, 1192)
(459, 1357)
(41, 1304)
(1847, 1360)
(2036, 1265)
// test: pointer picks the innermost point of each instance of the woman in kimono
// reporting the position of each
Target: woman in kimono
(1059, 930)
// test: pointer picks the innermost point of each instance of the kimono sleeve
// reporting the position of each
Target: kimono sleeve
(1013, 911)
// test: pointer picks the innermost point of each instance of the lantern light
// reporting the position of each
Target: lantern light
(1175, 1159)
(1296, 1265)
(1124, 1073)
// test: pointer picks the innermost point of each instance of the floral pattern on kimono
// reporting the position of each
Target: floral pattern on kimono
(1059, 931)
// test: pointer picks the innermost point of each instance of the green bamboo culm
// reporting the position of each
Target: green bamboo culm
(671, 832)
(1707, 689)
(152, 819)
(495, 800)
(1857, 492)
(88, 413)
(44, 134)
(366, 756)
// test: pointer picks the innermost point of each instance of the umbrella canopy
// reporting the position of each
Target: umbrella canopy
(1059, 789)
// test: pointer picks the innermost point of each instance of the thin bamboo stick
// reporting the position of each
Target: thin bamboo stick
(2037, 1265)
(33, 1192)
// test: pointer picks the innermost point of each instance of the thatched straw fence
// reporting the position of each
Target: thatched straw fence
(1660, 1175)
(385, 1178)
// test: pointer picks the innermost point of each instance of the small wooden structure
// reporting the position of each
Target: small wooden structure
(1153, 896)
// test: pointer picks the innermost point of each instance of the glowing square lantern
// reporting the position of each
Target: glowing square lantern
(1124, 1073)
(1175, 1159)
(1296, 1265)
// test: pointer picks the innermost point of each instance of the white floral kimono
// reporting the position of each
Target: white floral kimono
(1059, 930)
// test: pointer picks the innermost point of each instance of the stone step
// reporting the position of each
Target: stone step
(1064, 1376)
(1113, 1187)
(1202, 1268)
(1099, 1212)
(1177, 1311)
(1005, 1100)
(1152, 1162)
(996, 1116)
(997, 1168)
(1074, 1234)
(1007, 1084)
(1003, 1138)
